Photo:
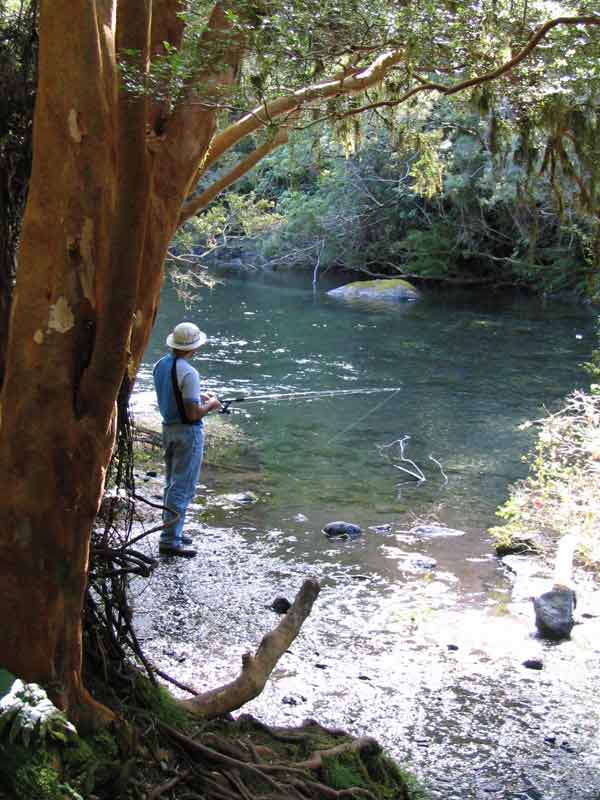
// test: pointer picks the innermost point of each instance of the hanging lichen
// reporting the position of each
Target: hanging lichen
(428, 171)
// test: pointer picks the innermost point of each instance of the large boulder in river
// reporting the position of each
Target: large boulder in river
(390, 290)
(554, 613)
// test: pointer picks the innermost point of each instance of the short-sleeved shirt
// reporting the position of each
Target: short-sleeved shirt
(188, 381)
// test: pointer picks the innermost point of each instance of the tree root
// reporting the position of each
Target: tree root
(257, 668)
(163, 788)
(249, 777)
(362, 746)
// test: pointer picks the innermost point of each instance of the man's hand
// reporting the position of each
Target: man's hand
(211, 403)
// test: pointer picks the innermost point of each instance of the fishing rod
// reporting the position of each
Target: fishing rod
(316, 395)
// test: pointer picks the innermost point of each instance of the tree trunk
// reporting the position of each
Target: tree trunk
(101, 211)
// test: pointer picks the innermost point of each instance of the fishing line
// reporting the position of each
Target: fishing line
(313, 395)
(368, 414)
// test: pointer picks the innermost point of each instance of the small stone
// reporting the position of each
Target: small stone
(452, 646)
(321, 666)
(289, 700)
(364, 678)
(533, 663)
(281, 605)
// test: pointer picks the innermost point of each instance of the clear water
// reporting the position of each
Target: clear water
(374, 657)
(469, 370)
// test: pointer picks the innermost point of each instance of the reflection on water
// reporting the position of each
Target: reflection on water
(415, 638)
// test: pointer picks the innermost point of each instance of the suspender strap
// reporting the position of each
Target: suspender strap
(178, 395)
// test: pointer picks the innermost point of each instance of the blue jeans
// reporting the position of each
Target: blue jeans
(184, 445)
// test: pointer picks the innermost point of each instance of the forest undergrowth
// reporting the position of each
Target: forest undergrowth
(559, 496)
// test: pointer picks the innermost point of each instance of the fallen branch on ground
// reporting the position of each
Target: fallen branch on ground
(257, 668)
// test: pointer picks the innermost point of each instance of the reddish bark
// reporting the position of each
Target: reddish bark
(101, 211)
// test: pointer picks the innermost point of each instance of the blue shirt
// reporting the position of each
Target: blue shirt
(188, 381)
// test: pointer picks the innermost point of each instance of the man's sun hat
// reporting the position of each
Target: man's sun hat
(186, 336)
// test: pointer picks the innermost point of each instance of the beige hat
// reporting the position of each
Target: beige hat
(186, 336)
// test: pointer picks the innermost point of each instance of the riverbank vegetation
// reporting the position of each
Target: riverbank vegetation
(457, 193)
(560, 494)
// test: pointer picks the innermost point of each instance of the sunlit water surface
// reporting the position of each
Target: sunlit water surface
(416, 639)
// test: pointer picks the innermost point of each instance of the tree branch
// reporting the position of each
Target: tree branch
(371, 76)
(257, 669)
(196, 204)
(266, 113)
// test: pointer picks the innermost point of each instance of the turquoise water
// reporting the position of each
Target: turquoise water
(469, 370)
(427, 660)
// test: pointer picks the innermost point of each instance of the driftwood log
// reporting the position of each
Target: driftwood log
(257, 668)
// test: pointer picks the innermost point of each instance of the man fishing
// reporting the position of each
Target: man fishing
(182, 406)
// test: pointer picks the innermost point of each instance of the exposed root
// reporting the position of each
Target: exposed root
(158, 791)
(360, 746)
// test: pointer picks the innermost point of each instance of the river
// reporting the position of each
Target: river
(417, 639)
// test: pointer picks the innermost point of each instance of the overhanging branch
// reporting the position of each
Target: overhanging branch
(358, 82)
(196, 204)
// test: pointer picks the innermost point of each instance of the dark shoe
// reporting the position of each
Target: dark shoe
(176, 549)
(185, 539)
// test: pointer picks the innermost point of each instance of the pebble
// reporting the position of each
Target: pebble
(533, 663)
(281, 605)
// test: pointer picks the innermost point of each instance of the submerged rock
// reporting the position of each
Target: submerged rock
(554, 613)
(417, 562)
(433, 531)
(393, 289)
(386, 528)
(242, 498)
(342, 530)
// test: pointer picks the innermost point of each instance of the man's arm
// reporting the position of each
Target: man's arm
(194, 410)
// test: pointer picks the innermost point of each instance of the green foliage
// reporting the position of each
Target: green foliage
(28, 715)
(75, 769)
(441, 196)
(344, 772)
(159, 701)
(428, 170)
(430, 253)
(31, 776)
(559, 495)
